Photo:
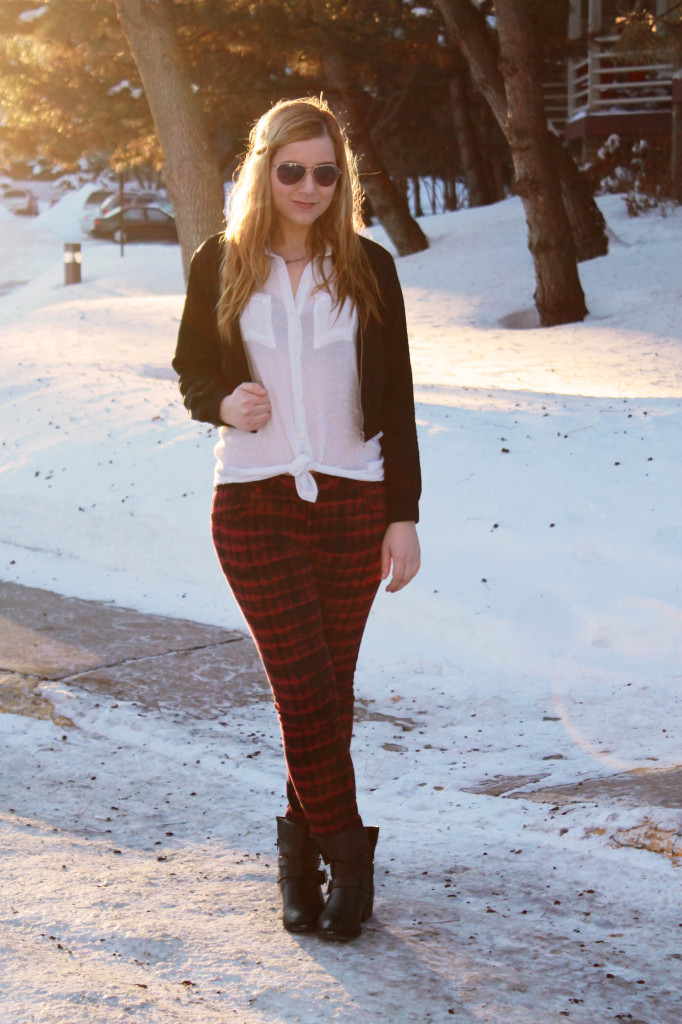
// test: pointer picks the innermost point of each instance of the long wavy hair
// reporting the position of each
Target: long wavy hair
(251, 218)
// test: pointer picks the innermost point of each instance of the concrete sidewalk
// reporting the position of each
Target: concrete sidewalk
(169, 664)
(160, 663)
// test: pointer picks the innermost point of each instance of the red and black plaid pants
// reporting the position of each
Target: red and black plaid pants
(304, 575)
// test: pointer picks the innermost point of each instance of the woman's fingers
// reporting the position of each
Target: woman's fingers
(403, 572)
(256, 405)
(400, 548)
(247, 408)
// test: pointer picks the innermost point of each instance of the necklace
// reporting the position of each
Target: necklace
(293, 259)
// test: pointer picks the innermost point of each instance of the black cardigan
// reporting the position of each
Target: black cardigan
(210, 367)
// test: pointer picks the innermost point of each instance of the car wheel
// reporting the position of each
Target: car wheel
(120, 236)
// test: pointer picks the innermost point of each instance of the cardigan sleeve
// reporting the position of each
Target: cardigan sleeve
(198, 354)
(399, 444)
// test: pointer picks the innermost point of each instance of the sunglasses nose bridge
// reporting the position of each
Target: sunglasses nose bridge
(308, 179)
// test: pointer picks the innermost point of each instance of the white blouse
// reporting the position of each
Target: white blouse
(304, 354)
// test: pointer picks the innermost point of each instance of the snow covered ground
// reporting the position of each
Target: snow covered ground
(541, 640)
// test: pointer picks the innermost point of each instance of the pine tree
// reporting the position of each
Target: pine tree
(69, 88)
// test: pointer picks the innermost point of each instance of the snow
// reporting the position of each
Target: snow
(123, 86)
(541, 640)
(32, 15)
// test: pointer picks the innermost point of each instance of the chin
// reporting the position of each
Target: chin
(304, 219)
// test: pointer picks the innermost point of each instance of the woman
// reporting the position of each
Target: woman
(293, 341)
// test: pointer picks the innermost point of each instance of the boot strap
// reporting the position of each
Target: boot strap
(288, 870)
(352, 869)
(362, 884)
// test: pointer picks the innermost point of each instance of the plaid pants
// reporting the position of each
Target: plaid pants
(305, 576)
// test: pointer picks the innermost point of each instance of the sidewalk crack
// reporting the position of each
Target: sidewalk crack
(118, 664)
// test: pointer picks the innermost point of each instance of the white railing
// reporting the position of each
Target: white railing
(606, 79)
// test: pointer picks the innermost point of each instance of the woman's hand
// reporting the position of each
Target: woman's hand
(400, 547)
(247, 408)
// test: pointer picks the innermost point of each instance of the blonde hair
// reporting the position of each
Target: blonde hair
(251, 219)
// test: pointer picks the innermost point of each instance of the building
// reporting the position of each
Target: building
(602, 89)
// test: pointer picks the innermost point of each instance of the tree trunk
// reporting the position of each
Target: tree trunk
(676, 149)
(469, 155)
(434, 195)
(495, 161)
(416, 189)
(451, 201)
(191, 171)
(467, 28)
(558, 295)
(588, 226)
(389, 204)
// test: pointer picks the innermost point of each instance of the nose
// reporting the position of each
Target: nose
(307, 184)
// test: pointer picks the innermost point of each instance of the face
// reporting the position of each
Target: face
(299, 206)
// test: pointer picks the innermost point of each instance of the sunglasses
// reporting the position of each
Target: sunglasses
(324, 175)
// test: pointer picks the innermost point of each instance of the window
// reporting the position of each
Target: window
(157, 216)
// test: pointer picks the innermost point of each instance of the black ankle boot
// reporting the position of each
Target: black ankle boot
(299, 877)
(351, 889)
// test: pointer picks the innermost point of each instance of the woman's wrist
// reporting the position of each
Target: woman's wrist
(225, 410)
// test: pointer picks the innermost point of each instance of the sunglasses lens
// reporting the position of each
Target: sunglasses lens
(326, 174)
(290, 174)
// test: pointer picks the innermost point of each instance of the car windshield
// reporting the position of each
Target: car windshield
(96, 198)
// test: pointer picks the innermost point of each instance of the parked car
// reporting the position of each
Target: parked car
(147, 198)
(166, 206)
(20, 200)
(92, 208)
(140, 224)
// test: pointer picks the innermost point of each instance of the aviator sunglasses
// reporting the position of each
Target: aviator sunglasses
(324, 175)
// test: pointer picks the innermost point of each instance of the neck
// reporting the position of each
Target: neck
(290, 242)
